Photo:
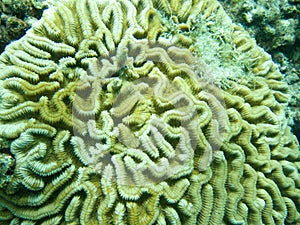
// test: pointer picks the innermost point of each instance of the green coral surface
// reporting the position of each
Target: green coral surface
(144, 112)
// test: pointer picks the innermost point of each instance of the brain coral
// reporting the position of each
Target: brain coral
(144, 112)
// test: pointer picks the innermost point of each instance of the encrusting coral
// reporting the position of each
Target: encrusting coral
(144, 112)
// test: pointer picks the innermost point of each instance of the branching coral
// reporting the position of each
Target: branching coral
(110, 117)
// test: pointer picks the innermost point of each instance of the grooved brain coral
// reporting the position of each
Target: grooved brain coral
(144, 112)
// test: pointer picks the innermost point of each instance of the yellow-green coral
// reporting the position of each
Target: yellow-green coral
(113, 113)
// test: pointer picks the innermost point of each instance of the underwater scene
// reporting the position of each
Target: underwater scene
(149, 112)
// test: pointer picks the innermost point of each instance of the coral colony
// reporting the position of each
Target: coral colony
(144, 112)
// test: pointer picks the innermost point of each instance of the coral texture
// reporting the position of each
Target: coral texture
(275, 26)
(144, 112)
